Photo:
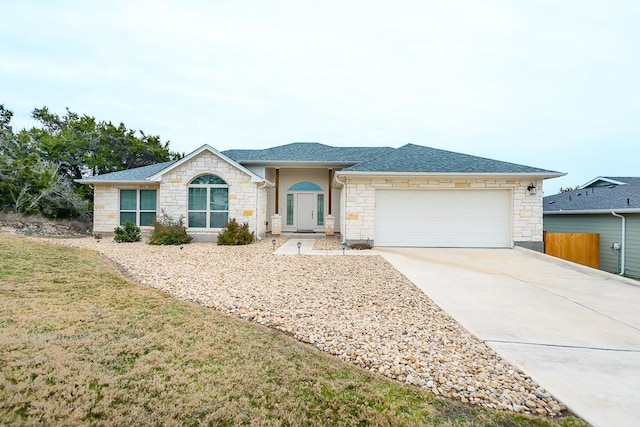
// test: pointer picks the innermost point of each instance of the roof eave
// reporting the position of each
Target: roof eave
(111, 181)
(294, 163)
(592, 211)
(543, 175)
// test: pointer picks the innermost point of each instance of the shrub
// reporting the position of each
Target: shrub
(169, 231)
(235, 234)
(129, 232)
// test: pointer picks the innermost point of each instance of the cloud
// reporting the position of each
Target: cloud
(528, 82)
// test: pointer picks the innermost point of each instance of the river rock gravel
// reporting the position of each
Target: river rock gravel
(359, 309)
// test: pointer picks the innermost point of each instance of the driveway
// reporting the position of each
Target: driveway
(574, 330)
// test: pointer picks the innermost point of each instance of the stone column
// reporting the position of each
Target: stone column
(276, 225)
(329, 222)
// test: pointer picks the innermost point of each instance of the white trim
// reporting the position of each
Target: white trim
(89, 181)
(592, 211)
(297, 163)
(602, 178)
(206, 147)
(623, 241)
(477, 175)
(138, 210)
(295, 227)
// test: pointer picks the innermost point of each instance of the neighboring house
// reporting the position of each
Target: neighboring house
(407, 196)
(609, 206)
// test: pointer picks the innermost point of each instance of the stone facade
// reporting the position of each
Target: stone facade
(247, 202)
(247, 199)
(359, 203)
(353, 205)
(106, 205)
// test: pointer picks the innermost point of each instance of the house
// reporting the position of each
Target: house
(609, 206)
(407, 196)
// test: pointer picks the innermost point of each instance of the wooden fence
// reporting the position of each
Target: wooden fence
(581, 248)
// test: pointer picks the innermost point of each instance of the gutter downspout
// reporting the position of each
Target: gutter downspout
(258, 188)
(343, 208)
(622, 241)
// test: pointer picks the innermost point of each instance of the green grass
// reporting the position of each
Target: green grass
(81, 345)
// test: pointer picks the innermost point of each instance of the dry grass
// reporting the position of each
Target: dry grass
(79, 344)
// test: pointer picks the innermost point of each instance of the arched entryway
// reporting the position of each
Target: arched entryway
(305, 207)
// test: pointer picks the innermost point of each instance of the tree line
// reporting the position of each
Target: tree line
(38, 166)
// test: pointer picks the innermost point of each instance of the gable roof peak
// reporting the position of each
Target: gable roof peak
(602, 194)
(604, 180)
(197, 152)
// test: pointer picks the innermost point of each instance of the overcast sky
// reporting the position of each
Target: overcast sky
(552, 84)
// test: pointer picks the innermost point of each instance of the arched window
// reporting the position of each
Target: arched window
(208, 202)
(305, 186)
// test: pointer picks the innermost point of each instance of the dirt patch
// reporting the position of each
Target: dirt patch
(41, 227)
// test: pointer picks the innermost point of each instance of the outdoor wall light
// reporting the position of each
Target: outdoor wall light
(273, 242)
(532, 189)
(344, 246)
(299, 245)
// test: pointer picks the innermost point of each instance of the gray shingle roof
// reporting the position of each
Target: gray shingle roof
(600, 195)
(406, 159)
(135, 174)
(308, 152)
(420, 159)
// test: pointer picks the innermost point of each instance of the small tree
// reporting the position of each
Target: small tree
(568, 189)
(235, 234)
(129, 232)
(169, 231)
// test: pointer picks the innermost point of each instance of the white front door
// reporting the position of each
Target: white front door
(306, 211)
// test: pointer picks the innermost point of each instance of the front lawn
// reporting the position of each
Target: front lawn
(80, 344)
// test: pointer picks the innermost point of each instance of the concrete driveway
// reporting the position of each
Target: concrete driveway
(574, 330)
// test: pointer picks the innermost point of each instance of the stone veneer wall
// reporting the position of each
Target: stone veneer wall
(172, 195)
(106, 205)
(360, 203)
(243, 193)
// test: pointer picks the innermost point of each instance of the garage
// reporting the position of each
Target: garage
(443, 218)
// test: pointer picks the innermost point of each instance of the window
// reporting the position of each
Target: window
(320, 209)
(305, 186)
(289, 209)
(138, 206)
(208, 205)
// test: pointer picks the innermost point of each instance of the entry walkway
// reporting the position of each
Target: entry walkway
(574, 330)
(290, 247)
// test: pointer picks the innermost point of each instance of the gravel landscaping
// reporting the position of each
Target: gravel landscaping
(359, 309)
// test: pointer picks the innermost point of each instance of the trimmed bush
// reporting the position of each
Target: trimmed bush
(129, 232)
(235, 234)
(169, 231)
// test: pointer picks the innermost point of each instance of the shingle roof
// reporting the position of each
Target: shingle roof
(599, 195)
(135, 174)
(409, 158)
(420, 159)
(308, 152)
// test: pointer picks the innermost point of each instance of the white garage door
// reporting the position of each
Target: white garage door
(443, 218)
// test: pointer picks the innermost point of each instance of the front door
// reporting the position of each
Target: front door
(306, 211)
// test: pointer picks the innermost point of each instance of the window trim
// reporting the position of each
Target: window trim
(137, 211)
(304, 187)
(208, 202)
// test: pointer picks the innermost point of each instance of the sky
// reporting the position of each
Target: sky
(551, 84)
